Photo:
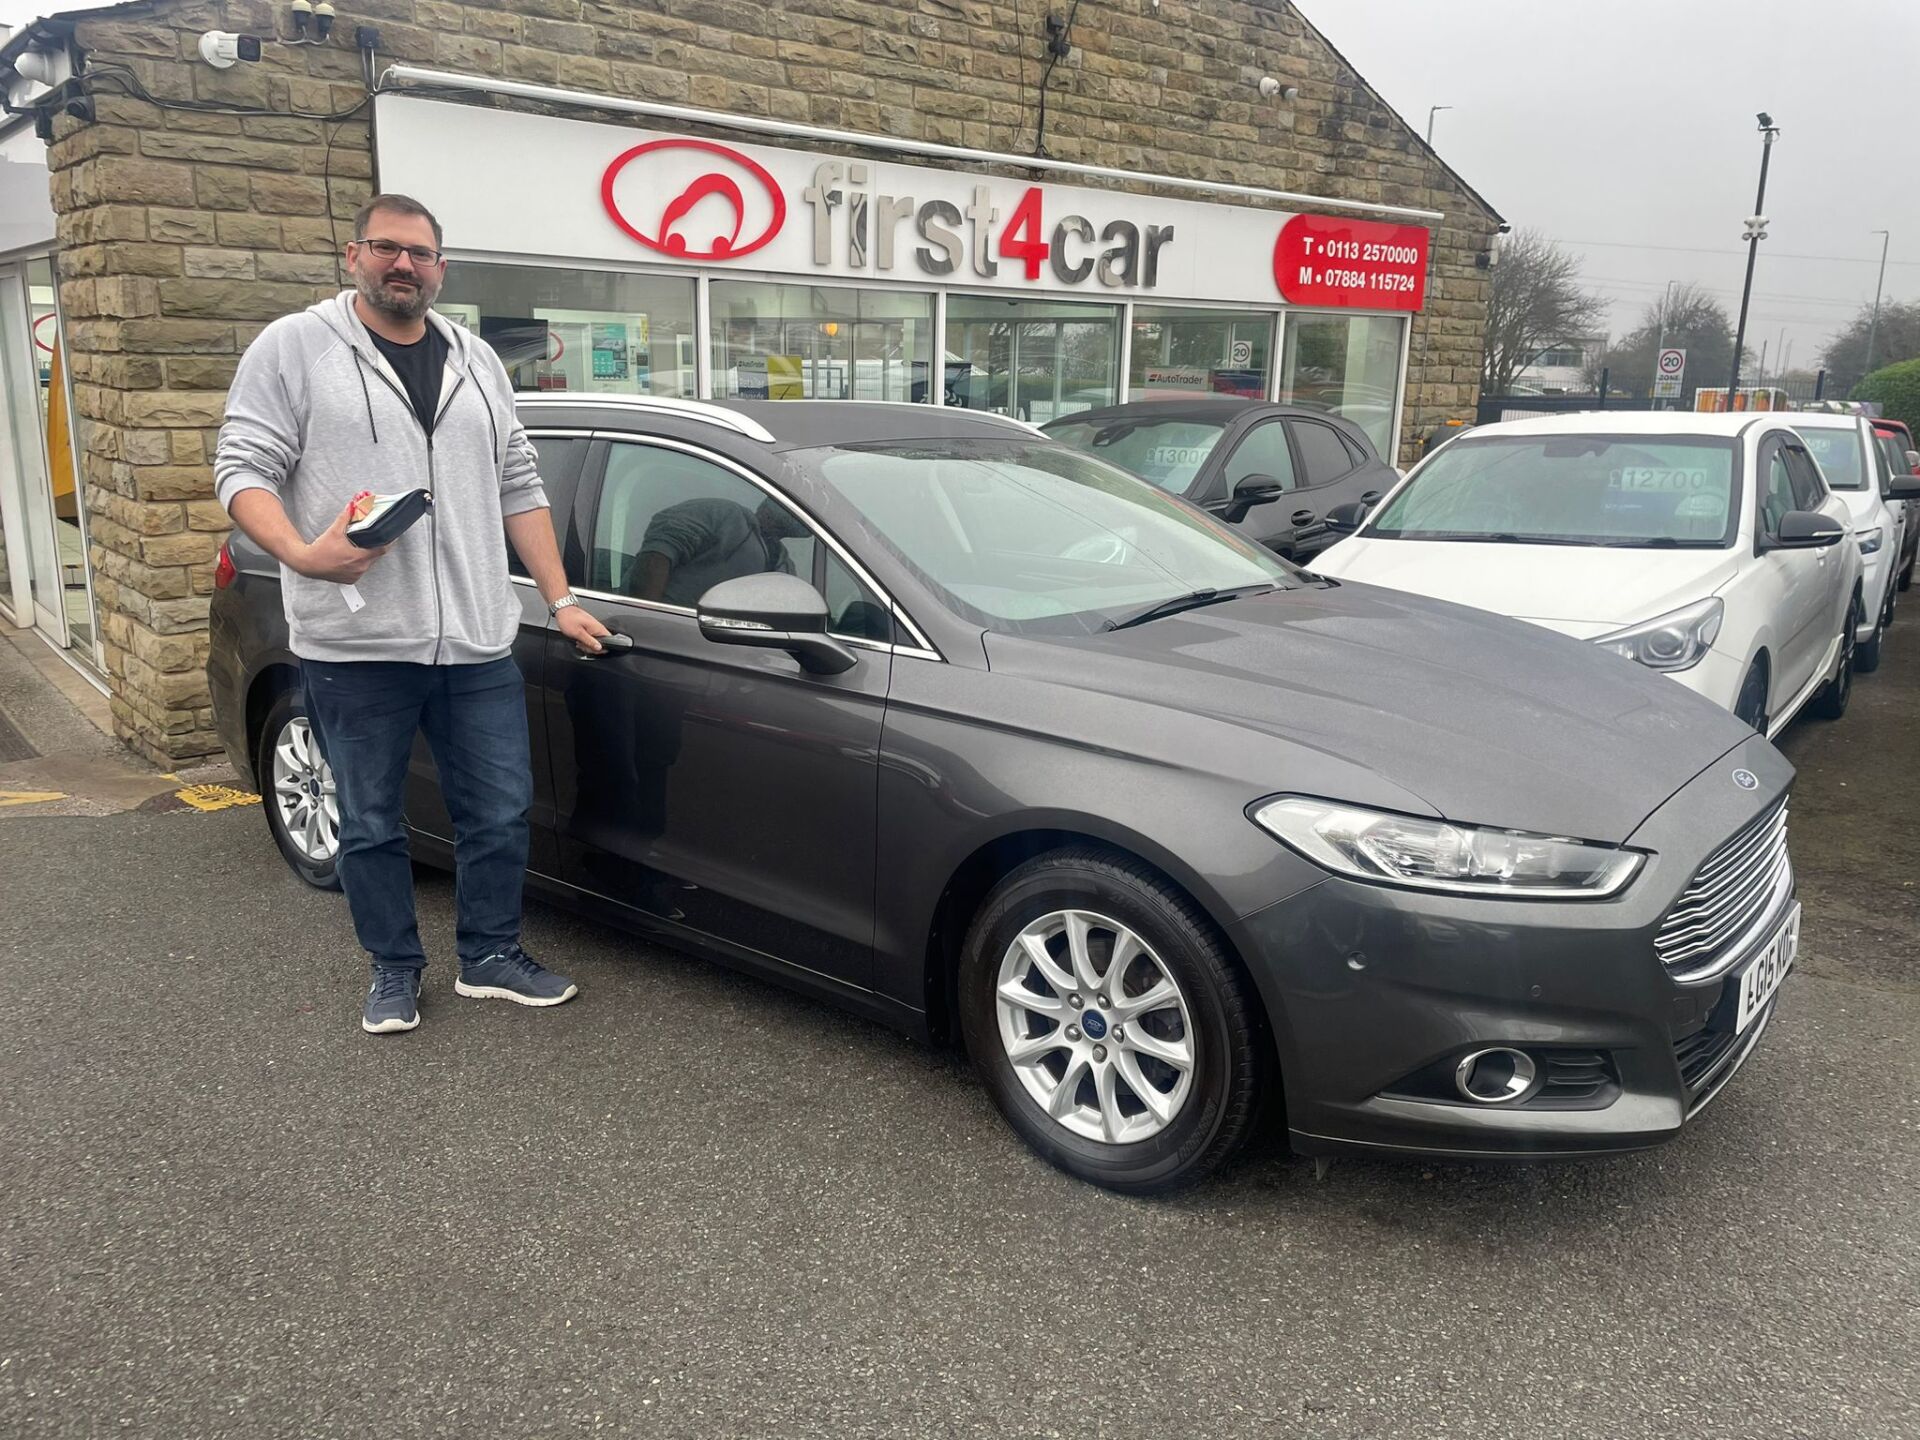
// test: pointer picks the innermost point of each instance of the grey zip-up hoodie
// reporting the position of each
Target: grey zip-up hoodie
(315, 415)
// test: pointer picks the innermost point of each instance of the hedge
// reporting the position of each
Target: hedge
(1897, 388)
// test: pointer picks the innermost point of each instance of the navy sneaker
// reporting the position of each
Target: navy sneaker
(393, 1000)
(512, 974)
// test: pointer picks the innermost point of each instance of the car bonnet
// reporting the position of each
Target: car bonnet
(1489, 721)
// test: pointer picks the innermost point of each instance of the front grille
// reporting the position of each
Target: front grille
(1700, 1052)
(1573, 1077)
(1732, 891)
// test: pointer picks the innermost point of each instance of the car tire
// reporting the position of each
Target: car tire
(1893, 601)
(1906, 575)
(1866, 656)
(305, 823)
(1831, 702)
(1092, 904)
(1750, 708)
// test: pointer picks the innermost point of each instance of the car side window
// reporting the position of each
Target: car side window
(1776, 486)
(1263, 451)
(670, 526)
(1322, 456)
(854, 612)
(559, 459)
(1809, 490)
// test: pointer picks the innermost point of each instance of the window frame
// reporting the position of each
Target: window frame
(1299, 453)
(1773, 445)
(1791, 447)
(910, 638)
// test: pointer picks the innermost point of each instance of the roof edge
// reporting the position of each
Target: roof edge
(1388, 106)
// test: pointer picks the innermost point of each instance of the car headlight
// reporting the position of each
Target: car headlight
(1869, 539)
(1678, 640)
(1435, 855)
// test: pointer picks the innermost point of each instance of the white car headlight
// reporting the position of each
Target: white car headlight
(1869, 539)
(1435, 855)
(1678, 640)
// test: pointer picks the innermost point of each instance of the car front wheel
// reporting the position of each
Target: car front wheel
(1109, 1024)
(297, 792)
(1866, 656)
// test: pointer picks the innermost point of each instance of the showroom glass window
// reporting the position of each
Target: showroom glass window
(1181, 352)
(1036, 360)
(1348, 365)
(579, 330)
(819, 342)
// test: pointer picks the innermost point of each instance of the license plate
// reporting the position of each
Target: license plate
(1760, 979)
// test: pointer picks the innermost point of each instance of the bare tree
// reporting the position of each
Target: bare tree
(1896, 337)
(1537, 303)
(1685, 318)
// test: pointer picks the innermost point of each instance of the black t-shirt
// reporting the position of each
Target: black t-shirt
(418, 365)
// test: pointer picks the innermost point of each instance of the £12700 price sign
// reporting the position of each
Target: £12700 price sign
(1324, 261)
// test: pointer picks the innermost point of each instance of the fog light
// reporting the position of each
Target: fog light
(1498, 1076)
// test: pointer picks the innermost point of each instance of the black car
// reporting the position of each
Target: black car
(1272, 471)
(990, 739)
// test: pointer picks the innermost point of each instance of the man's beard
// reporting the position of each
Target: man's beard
(400, 302)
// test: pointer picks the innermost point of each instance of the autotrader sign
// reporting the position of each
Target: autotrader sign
(502, 182)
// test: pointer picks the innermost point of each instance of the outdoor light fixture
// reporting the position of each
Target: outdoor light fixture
(1271, 87)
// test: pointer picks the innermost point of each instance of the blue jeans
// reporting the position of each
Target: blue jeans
(365, 715)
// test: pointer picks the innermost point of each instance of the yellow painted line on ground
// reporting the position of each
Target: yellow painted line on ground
(29, 797)
(208, 798)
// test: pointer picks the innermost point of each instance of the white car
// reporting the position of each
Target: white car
(1705, 546)
(1856, 470)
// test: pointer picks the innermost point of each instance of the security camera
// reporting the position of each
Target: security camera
(221, 48)
(1766, 120)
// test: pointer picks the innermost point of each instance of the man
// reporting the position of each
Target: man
(372, 390)
(692, 546)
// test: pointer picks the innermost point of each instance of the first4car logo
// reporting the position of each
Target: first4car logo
(650, 194)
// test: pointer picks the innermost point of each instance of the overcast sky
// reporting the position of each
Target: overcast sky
(1625, 129)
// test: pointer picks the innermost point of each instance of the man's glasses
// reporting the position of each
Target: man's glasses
(389, 250)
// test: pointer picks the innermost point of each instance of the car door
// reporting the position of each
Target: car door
(561, 454)
(1333, 469)
(1828, 610)
(1262, 450)
(1796, 580)
(719, 789)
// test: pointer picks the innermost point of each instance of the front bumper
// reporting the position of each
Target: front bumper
(1376, 992)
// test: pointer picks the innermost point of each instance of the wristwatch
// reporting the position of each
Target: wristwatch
(562, 603)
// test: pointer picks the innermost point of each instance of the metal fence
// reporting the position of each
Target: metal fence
(1793, 393)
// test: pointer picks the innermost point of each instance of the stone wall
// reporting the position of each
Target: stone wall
(184, 231)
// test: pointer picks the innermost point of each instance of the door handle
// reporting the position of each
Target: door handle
(1303, 517)
(1367, 497)
(615, 644)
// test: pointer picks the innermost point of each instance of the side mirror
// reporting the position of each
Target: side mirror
(1252, 490)
(1913, 459)
(1347, 518)
(774, 612)
(1806, 530)
(1904, 487)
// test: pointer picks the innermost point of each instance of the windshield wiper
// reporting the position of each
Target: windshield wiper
(1192, 600)
(1501, 537)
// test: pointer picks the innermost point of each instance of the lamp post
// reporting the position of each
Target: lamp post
(1874, 326)
(1666, 304)
(1433, 110)
(1755, 233)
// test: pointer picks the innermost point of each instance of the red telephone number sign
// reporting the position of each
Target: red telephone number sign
(1323, 261)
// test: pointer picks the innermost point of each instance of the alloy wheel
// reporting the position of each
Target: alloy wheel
(1096, 1027)
(304, 793)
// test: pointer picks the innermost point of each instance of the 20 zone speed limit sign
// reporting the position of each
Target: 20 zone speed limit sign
(1672, 369)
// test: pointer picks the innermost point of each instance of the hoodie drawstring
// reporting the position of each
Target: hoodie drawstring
(359, 368)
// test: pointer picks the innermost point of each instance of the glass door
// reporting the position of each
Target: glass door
(33, 557)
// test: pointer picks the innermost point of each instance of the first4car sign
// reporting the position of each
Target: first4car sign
(588, 192)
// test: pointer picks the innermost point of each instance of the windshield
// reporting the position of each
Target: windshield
(1029, 537)
(1626, 490)
(1168, 452)
(1838, 452)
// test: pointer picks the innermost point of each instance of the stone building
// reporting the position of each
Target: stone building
(192, 202)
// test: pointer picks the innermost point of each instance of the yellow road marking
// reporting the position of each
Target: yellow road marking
(208, 798)
(29, 797)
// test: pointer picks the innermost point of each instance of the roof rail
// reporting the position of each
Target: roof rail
(698, 410)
